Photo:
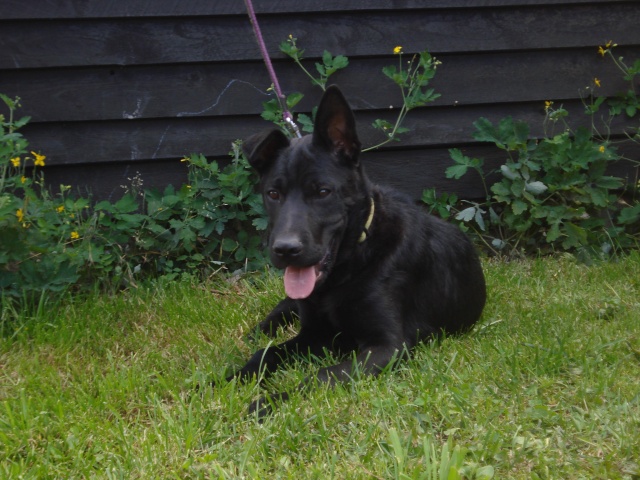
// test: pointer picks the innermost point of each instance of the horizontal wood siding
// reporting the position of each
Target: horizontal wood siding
(117, 88)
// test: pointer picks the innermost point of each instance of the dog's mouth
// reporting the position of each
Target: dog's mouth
(299, 282)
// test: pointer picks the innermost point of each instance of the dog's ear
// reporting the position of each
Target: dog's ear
(262, 149)
(335, 126)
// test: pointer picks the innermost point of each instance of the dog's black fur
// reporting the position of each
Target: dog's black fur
(388, 274)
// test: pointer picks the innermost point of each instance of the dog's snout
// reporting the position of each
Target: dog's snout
(287, 247)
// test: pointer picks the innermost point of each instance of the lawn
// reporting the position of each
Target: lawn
(546, 386)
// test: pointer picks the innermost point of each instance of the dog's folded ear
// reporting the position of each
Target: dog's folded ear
(335, 126)
(262, 149)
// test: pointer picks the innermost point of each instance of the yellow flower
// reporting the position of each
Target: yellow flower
(15, 162)
(602, 149)
(596, 81)
(23, 179)
(60, 209)
(547, 105)
(20, 215)
(603, 50)
(39, 159)
(397, 50)
(75, 235)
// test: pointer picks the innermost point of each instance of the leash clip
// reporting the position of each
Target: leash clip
(291, 124)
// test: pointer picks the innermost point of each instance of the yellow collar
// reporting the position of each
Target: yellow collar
(367, 225)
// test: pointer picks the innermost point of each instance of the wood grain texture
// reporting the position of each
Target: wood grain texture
(149, 41)
(71, 9)
(75, 143)
(202, 90)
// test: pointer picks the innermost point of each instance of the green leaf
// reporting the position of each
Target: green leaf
(456, 171)
(479, 219)
(507, 172)
(467, 214)
(326, 58)
(383, 125)
(260, 223)
(598, 196)
(21, 122)
(126, 204)
(536, 187)
(500, 189)
(306, 122)
(517, 187)
(462, 161)
(518, 206)
(498, 243)
(340, 62)
(229, 244)
(429, 196)
(390, 71)
(558, 114)
(521, 132)
(629, 215)
(293, 99)
(485, 131)
(610, 183)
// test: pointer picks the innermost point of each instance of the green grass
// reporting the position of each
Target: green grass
(547, 386)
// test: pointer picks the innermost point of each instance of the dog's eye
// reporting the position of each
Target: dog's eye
(323, 192)
(273, 194)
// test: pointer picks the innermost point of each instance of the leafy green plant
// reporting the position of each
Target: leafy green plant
(38, 231)
(273, 109)
(414, 86)
(211, 223)
(625, 102)
(52, 242)
(217, 216)
(552, 193)
(328, 67)
(412, 79)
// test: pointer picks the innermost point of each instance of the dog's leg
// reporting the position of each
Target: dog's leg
(283, 314)
(267, 360)
(370, 361)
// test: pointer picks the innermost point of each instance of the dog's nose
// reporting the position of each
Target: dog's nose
(287, 247)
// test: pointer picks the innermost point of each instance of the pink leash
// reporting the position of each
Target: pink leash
(274, 79)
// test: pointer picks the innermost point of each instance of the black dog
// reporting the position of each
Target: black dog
(365, 269)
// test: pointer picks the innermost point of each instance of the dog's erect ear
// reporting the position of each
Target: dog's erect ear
(262, 149)
(335, 126)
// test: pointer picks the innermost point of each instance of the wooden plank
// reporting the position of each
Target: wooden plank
(65, 9)
(77, 143)
(140, 41)
(108, 181)
(106, 93)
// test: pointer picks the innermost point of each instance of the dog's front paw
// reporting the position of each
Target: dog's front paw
(264, 406)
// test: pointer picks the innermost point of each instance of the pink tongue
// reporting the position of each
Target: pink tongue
(299, 282)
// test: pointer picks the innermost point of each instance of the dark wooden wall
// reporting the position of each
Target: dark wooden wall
(120, 87)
